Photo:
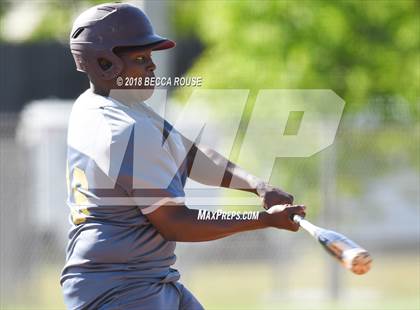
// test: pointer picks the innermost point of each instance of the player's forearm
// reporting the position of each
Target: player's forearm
(211, 168)
(187, 227)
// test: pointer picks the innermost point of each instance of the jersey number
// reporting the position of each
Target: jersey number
(78, 210)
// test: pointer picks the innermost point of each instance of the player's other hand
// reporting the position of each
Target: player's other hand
(279, 216)
(274, 196)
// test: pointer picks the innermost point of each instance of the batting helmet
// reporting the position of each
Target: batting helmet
(98, 30)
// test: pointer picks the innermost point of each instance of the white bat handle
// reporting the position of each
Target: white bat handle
(297, 218)
(309, 227)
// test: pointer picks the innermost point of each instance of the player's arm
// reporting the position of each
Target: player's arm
(205, 166)
(179, 223)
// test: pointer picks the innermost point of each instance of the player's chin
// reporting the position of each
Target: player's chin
(145, 93)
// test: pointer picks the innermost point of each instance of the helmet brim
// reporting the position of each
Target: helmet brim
(163, 45)
(155, 44)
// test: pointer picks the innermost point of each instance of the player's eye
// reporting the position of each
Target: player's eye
(141, 59)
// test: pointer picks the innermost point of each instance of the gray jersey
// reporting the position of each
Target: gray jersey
(123, 162)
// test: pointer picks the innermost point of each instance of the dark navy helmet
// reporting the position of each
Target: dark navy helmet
(100, 29)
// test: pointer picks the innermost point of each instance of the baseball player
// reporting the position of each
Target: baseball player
(126, 172)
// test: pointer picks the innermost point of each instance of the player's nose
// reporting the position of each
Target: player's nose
(151, 66)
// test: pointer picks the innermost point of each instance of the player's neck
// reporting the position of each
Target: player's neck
(101, 91)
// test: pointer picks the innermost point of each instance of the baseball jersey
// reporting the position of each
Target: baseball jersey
(123, 162)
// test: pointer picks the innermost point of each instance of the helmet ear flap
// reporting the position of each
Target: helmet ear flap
(107, 73)
(105, 64)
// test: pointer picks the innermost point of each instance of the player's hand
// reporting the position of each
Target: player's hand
(279, 216)
(274, 196)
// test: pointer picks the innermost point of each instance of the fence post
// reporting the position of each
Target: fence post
(331, 215)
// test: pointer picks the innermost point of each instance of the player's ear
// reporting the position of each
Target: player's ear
(104, 63)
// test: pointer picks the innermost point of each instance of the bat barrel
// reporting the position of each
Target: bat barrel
(351, 255)
(357, 260)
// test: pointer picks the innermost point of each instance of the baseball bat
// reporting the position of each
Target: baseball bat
(351, 255)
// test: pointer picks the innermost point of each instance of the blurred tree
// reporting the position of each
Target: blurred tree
(360, 49)
(56, 22)
(363, 50)
(56, 17)
(3, 8)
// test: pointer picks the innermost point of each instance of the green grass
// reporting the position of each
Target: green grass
(392, 284)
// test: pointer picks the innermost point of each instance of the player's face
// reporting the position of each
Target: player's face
(138, 64)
